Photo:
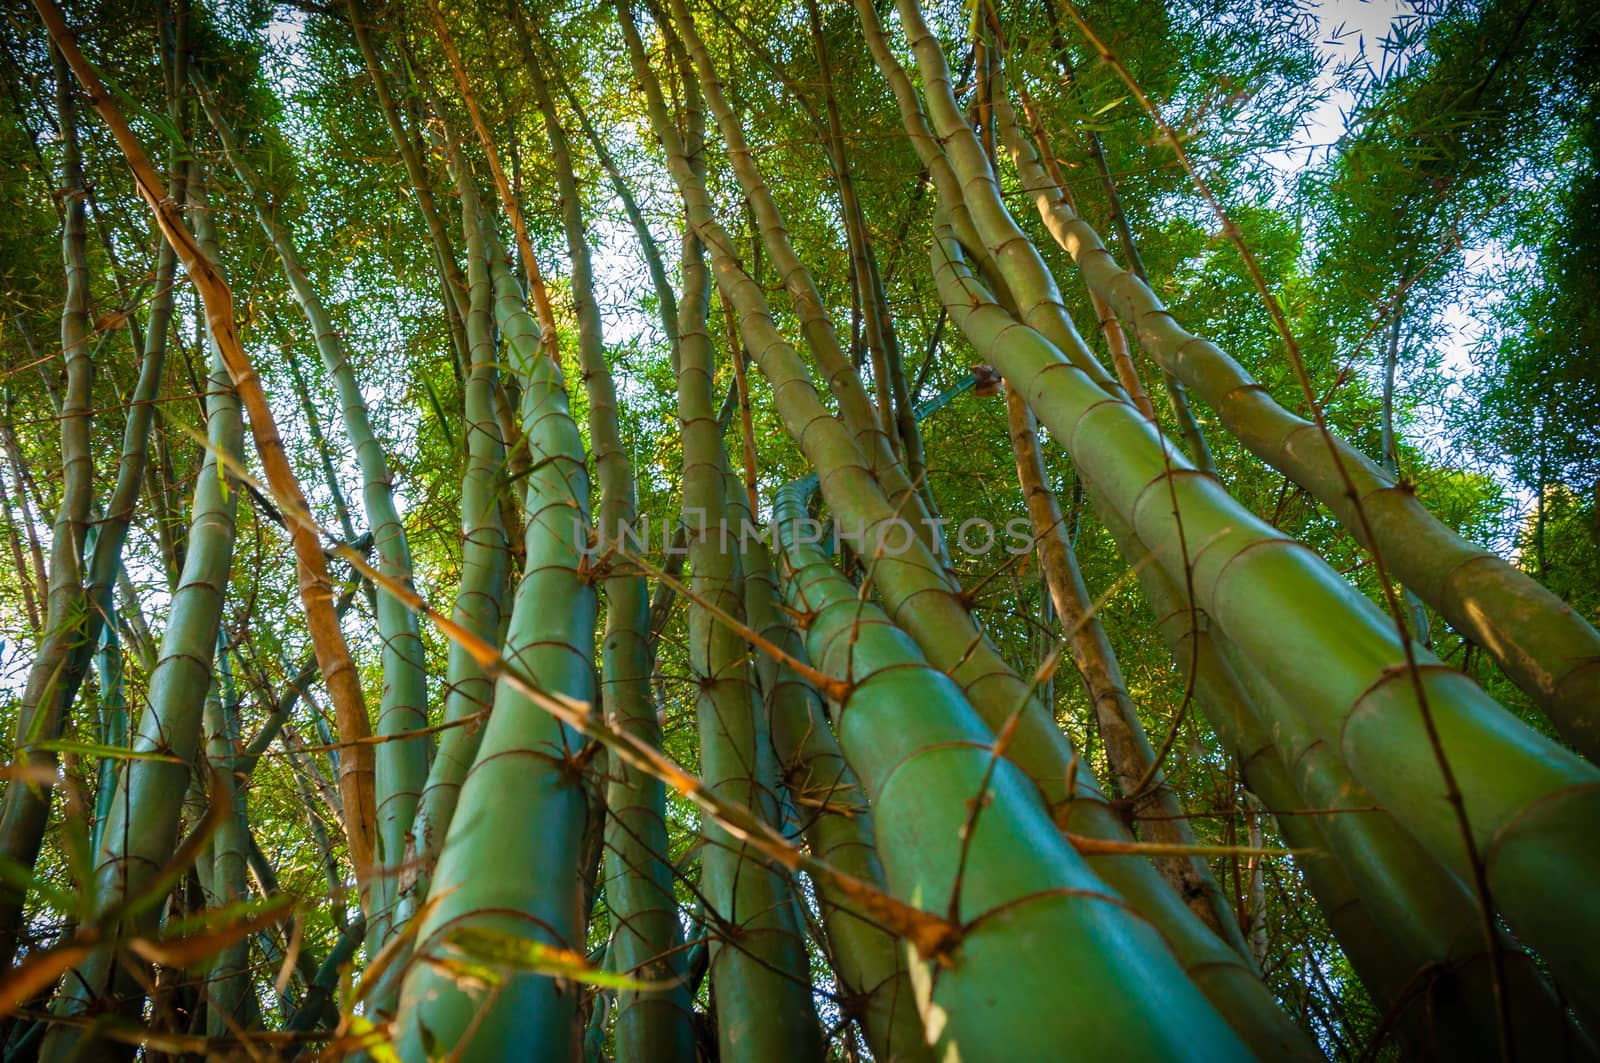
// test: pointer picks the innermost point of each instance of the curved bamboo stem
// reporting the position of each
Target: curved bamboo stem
(63, 651)
(1280, 605)
(948, 813)
(1540, 642)
(480, 594)
(402, 766)
(141, 831)
(523, 802)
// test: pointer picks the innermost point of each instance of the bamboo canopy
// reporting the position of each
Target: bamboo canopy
(786, 531)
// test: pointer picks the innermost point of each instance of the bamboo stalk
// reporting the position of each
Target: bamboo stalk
(833, 813)
(479, 602)
(920, 597)
(333, 655)
(231, 1004)
(871, 430)
(141, 832)
(400, 767)
(1540, 642)
(1128, 750)
(949, 812)
(879, 321)
(1402, 919)
(523, 802)
(758, 968)
(508, 199)
(63, 651)
(646, 939)
(1280, 604)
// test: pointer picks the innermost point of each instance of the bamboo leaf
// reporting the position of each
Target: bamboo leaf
(1114, 103)
(96, 749)
(189, 950)
(37, 971)
(494, 949)
(373, 1040)
(438, 412)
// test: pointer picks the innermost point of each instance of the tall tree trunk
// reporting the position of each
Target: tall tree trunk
(522, 803)
(646, 940)
(63, 650)
(141, 832)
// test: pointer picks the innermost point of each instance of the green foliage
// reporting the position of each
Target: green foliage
(1462, 189)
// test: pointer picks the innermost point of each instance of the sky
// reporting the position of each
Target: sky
(1346, 29)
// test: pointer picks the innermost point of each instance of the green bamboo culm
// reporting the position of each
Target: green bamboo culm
(1279, 604)
(873, 429)
(142, 827)
(111, 532)
(646, 940)
(1140, 780)
(401, 766)
(1411, 928)
(480, 595)
(832, 810)
(921, 596)
(759, 969)
(840, 802)
(67, 639)
(522, 804)
(948, 812)
(1541, 643)
(758, 958)
(231, 1000)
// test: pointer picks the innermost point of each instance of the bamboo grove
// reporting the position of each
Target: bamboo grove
(755, 530)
